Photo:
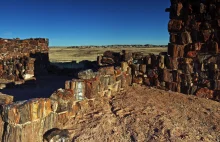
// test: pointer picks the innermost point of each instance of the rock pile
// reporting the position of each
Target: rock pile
(184, 75)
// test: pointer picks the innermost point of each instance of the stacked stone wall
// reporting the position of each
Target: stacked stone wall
(22, 59)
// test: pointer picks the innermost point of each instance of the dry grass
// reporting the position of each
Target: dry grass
(80, 54)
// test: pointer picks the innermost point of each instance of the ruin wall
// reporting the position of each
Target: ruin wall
(22, 59)
(29, 120)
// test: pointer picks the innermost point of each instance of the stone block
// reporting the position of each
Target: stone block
(127, 56)
(185, 38)
(124, 66)
(143, 68)
(167, 75)
(137, 55)
(6, 99)
(91, 88)
(112, 79)
(161, 61)
(108, 61)
(64, 98)
(106, 70)
(175, 25)
(26, 111)
(175, 50)
(173, 86)
(67, 84)
(79, 91)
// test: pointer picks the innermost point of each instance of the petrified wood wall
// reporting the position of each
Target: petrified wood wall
(22, 59)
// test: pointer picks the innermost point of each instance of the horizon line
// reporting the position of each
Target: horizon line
(111, 45)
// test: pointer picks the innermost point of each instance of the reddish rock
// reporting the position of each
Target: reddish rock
(91, 88)
(151, 73)
(185, 38)
(118, 71)
(147, 60)
(137, 55)
(179, 9)
(167, 75)
(112, 79)
(116, 57)
(171, 63)
(106, 70)
(64, 97)
(106, 60)
(175, 50)
(191, 54)
(173, 86)
(143, 68)
(26, 111)
(127, 56)
(205, 93)
(175, 25)
(173, 38)
(147, 81)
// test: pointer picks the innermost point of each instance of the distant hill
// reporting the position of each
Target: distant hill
(113, 46)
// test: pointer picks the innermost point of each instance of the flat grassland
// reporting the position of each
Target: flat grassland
(62, 54)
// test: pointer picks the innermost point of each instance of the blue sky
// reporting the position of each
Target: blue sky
(86, 22)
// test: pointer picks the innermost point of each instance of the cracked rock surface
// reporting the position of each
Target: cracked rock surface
(147, 114)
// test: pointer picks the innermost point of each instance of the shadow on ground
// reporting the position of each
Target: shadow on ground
(43, 87)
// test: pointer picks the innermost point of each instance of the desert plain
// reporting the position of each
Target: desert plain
(64, 54)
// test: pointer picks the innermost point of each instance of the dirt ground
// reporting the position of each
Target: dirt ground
(80, 54)
(147, 114)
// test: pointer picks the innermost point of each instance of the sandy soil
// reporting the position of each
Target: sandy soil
(147, 114)
(80, 54)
